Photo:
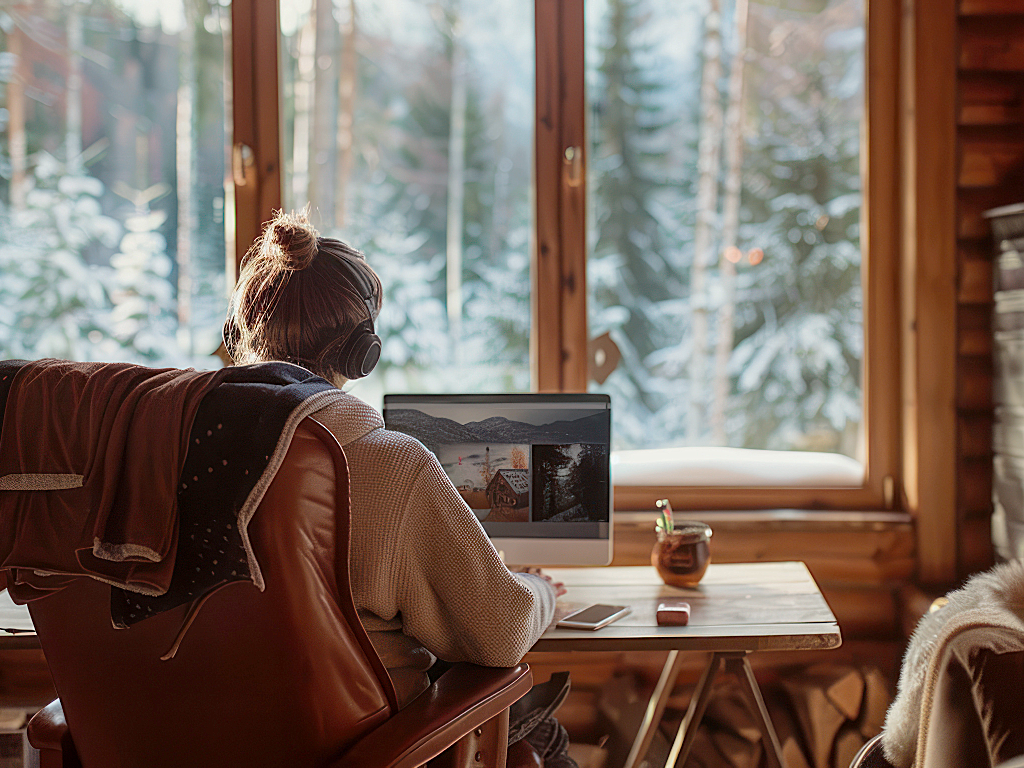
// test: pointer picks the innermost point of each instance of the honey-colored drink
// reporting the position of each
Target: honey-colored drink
(681, 556)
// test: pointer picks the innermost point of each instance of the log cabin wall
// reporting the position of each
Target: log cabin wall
(990, 172)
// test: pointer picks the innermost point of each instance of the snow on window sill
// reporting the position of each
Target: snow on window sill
(734, 467)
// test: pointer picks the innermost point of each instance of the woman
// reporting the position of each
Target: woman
(427, 581)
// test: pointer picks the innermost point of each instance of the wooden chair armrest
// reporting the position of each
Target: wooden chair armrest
(48, 728)
(459, 703)
(48, 732)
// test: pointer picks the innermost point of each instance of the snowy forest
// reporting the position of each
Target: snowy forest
(723, 184)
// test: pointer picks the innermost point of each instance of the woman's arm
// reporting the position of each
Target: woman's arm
(455, 595)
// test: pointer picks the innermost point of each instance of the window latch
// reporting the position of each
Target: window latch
(243, 163)
(572, 162)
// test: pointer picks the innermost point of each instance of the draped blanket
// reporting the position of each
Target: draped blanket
(987, 613)
(142, 478)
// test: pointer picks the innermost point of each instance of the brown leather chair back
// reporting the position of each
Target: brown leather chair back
(283, 677)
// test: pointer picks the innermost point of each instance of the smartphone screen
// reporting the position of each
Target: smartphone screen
(594, 617)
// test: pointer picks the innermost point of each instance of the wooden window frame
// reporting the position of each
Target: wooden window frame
(559, 313)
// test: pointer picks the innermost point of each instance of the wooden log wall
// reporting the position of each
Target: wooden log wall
(990, 173)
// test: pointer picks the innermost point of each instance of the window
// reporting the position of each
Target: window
(521, 186)
(816, 192)
(724, 221)
(112, 223)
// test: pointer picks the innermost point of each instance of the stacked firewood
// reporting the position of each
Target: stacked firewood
(823, 714)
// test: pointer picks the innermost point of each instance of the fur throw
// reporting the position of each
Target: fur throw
(994, 598)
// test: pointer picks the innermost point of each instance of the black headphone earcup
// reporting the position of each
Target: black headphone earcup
(361, 353)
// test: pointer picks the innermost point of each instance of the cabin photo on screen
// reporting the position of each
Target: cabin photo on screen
(493, 480)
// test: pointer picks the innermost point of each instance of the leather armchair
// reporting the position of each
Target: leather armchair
(970, 717)
(286, 676)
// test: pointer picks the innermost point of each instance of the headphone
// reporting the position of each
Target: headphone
(358, 353)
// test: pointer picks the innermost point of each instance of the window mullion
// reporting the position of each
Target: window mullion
(256, 144)
(573, 191)
(559, 322)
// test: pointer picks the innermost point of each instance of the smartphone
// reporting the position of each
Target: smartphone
(594, 617)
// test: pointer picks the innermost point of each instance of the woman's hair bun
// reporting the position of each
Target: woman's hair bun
(291, 240)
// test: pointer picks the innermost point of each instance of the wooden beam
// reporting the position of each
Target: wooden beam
(641, 498)
(989, 154)
(867, 549)
(992, 42)
(989, 7)
(929, 282)
(991, 99)
(976, 275)
(881, 272)
(545, 274)
(573, 203)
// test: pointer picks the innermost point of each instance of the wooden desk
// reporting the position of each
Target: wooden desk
(737, 609)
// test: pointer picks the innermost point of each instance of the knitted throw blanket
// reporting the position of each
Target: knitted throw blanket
(992, 600)
(239, 438)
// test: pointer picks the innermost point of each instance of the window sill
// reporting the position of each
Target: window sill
(734, 468)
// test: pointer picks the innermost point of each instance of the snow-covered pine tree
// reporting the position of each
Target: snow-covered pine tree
(799, 339)
(635, 273)
(53, 301)
(144, 315)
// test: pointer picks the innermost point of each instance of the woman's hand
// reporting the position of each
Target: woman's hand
(558, 585)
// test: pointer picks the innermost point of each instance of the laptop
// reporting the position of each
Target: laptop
(534, 468)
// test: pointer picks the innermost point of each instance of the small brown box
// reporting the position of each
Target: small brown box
(673, 613)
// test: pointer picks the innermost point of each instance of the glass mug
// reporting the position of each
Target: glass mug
(681, 556)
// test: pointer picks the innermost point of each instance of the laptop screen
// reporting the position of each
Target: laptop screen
(530, 466)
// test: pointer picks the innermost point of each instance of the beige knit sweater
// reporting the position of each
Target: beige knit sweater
(426, 579)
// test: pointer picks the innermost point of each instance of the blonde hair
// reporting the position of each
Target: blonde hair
(295, 299)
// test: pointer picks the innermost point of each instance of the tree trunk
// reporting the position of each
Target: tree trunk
(708, 159)
(456, 183)
(325, 110)
(302, 137)
(730, 225)
(500, 213)
(73, 98)
(230, 235)
(17, 146)
(348, 83)
(185, 143)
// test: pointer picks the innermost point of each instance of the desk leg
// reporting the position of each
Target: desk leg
(655, 709)
(738, 664)
(687, 732)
